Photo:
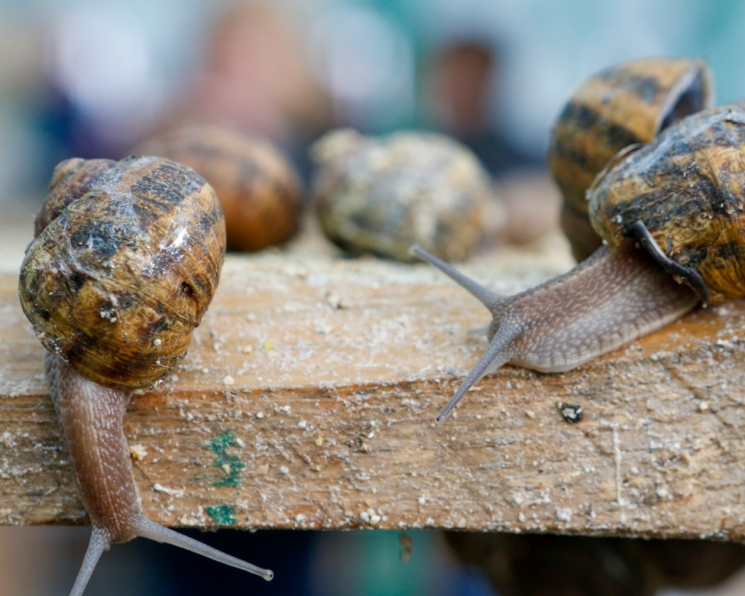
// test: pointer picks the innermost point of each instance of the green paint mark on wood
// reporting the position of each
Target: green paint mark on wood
(223, 515)
(229, 464)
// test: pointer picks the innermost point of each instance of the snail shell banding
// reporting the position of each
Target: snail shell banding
(380, 195)
(258, 188)
(126, 259)
(121, 262)
(688, 188)
(670, 213)
(622, 105)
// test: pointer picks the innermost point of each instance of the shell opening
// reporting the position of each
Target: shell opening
(693, 96)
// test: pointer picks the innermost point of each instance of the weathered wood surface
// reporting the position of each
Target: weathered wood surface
(338, 369)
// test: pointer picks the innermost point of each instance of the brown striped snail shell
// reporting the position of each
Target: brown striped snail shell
(126, 259)
(259, 190)
(669, 214)
(381, 194)
(125, 263)
(620, 106)
(688, 189)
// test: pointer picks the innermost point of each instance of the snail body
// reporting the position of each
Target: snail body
(668, 214)
(126, 259)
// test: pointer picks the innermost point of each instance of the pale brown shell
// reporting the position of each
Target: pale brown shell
(126, 260)
(259, 190)
(688, 188)
(622, 105)
(384, 194)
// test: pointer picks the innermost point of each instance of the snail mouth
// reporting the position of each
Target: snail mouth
(639, 232)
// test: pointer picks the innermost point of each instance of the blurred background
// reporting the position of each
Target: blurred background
(93, 78)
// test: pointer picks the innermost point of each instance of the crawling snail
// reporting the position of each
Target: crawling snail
(259, 190)
(126, 259)
(681, 199)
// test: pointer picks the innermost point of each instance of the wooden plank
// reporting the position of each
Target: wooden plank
(339, 367)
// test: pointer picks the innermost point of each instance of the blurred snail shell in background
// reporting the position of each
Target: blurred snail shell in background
(622, 105)
(381, 194)
(259, 190)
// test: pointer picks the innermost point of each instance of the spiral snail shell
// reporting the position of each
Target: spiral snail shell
(687, 189)
(123, 267)
(258, 188)
(381, 194)
(620, 106)
(669, 215)
(126, 259)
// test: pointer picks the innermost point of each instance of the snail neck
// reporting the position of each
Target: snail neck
(606, 301)
(91, 417)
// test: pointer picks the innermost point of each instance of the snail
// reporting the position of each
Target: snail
(125, 260)
(622, 105)
(380, 195)
(680, 199)
(259, 190)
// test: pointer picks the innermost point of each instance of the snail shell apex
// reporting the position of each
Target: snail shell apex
(258, 188)
(125, 267)
(383, 194)
(622, 105)
(688, 188)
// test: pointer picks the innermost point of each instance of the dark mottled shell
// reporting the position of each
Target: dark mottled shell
(383, 194)
(259, 190)
(125, 267)
(688, 187)
(622, 105)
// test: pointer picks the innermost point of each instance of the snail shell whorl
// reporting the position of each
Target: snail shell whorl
(383, 194)
(622, 105)
(259, 190)
(688, 187)
(126, 260)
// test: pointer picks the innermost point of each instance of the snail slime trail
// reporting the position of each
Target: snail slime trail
(666, 213)
(126, 259)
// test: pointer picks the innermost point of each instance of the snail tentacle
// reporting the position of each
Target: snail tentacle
(496, 354)
(149, 529)
(606, 301)
(91, 417)
(100, 541)
(488, 298)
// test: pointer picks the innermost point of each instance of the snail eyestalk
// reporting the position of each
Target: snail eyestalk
(496, 354)
(99, 542)
(603, 303)
(149, 529)
(488, 298)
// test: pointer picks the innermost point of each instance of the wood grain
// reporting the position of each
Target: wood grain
(338, 368)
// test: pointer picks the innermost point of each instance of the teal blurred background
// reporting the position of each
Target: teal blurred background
(97, 76)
